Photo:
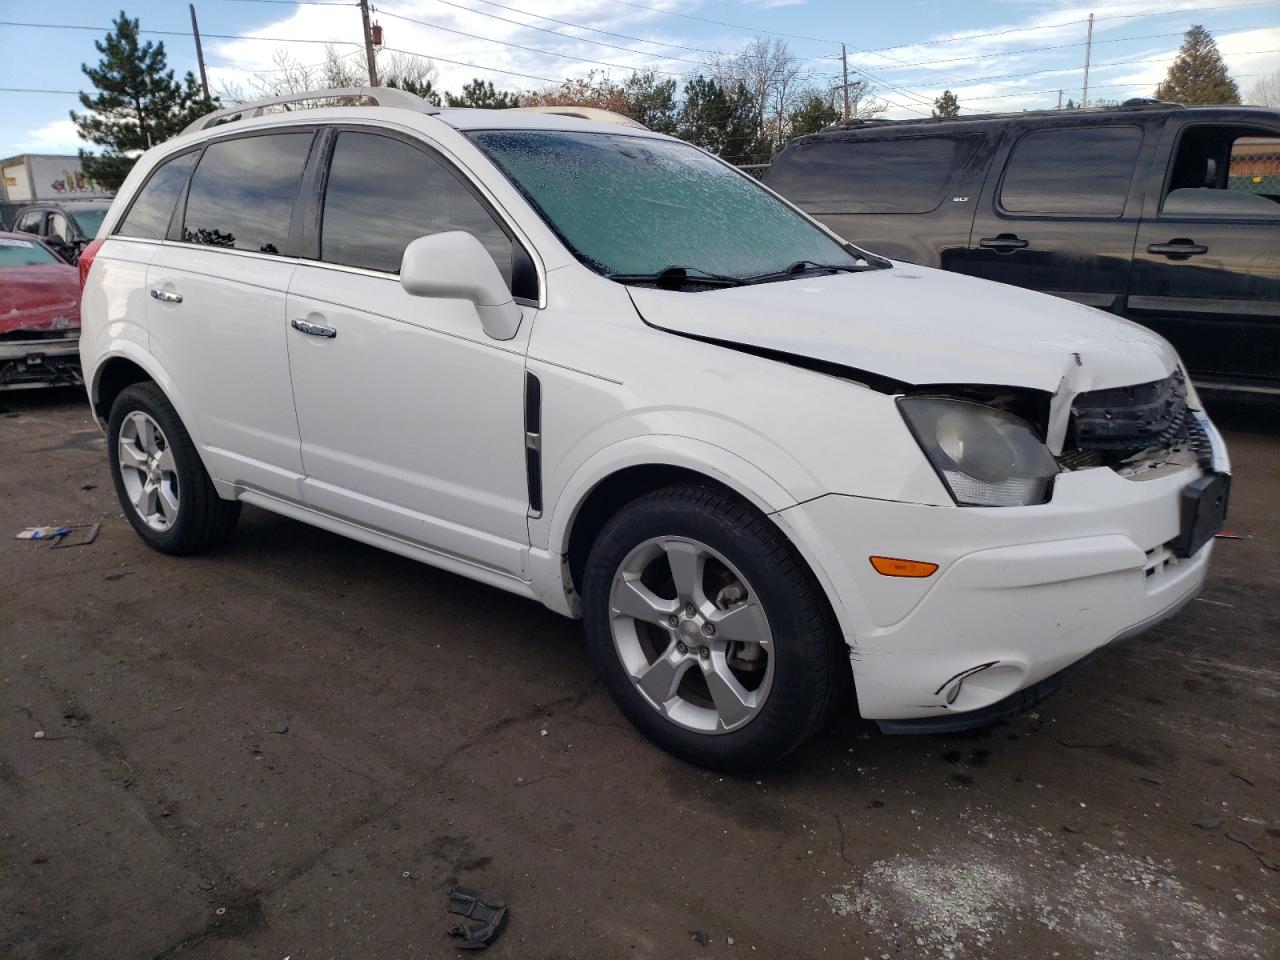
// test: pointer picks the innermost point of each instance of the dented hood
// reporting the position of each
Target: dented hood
(39, 298)
(922, 326)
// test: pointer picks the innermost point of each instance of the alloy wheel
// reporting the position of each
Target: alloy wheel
(148, 470)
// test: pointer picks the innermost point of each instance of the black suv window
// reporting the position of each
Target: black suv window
(242, 193)
(1224, 171)
(1073, 171)
(384, 193)
(897, 175)
(150, 213)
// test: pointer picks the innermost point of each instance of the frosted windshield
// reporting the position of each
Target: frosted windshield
(635, 205)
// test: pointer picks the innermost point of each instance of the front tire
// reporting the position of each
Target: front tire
(709, 630)
(161, 482)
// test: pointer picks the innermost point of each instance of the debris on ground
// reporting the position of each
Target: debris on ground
(491, 914)
(43, 533)
(59, 534)
(1210, 823)
(698, 937)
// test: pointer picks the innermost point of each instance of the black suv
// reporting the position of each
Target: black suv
(1164, 214)
(66, 226)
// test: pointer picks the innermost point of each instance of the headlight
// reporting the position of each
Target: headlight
(986, 457)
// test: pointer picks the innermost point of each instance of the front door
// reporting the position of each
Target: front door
(1056, 214)
(1206, 269)
(411, 417)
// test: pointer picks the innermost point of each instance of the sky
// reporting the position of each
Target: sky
(995, 55)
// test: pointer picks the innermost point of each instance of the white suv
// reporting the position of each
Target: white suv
(602, 369)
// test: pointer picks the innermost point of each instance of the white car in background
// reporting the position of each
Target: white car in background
(599, 368)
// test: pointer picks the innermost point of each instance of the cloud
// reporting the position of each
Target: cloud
(58, 136)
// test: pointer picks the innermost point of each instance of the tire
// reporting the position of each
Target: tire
(805, 672)
(184, 512)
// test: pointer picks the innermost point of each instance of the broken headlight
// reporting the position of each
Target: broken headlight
(986, 457)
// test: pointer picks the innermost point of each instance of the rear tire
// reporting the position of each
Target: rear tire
(163, 486)
(728, 693)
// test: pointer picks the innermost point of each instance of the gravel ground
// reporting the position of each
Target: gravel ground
(292, 746)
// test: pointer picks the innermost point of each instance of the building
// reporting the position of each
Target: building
(35, 176)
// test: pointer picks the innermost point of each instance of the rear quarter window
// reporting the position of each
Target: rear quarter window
(894, 175)
(149, 215)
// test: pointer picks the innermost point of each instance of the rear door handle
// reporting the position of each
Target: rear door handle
(313, 329)
(1005, 243)
(166, 295)
(1178, 249)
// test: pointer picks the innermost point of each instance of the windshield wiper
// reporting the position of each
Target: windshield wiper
(801, 267)
(675, 276)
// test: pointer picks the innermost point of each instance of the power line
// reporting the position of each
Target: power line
(460, 63)
(74, 93)
(724, 23)
(172, 33)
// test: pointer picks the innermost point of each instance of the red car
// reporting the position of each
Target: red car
(39, 316)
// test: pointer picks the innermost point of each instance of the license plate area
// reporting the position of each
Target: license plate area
(1204, 511)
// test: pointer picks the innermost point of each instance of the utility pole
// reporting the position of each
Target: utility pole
(368, 43)
(1088, 50)
(195, 31)
(844, 61)
(1059, 99)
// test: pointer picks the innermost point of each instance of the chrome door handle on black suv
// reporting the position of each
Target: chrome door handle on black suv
(1178, 249)
(1005, 243)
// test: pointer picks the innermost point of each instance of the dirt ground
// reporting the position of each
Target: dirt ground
(292, 746)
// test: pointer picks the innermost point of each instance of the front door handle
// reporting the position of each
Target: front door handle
(313, 329)
(166, 296)
(1005, 243)
(1178, 249)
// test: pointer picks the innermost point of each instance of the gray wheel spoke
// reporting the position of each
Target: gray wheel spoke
(146, 432)
(166, 501)
(744, 622)
(145, 500)
(130, 456)
(660, 679)
(733, 701)
(165, 461)
(631, 598)
(687, 564)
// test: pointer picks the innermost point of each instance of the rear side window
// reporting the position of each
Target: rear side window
(383, 193)
(150, 213)
(1073, 171)
(898, 175)
(242, 193)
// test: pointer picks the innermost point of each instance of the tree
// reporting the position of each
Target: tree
(863, 102)
(651, 101)
(138, 103)
(946, 105)
(593, 90)
(770, 75)
(816, 114)
(1198, 74)
(480, 93)
(1266, 91)
(722, 120)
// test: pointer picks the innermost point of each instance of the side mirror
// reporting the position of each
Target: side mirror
(455, 265)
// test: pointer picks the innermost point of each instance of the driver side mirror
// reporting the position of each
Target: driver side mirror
(455, 265)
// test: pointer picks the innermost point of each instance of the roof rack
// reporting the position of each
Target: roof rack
(1136, 103)
(381, 97)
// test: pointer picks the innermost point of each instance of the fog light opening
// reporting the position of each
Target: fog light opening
(953, 691)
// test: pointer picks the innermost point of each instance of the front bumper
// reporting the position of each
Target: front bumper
(1021, 593)
(41, 362)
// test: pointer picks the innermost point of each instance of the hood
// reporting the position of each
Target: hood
(922, 326)
(39, 298)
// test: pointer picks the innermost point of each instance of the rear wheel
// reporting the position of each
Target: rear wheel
(162, 485)
(709, 630)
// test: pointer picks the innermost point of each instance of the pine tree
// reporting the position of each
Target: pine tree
(481, 93)
(946, 105)
(814, 115)
(1198, 74)
(138, 103)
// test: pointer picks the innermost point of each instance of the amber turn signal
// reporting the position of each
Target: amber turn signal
(893, 567)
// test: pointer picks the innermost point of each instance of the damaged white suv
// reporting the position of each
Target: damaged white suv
(599, 368)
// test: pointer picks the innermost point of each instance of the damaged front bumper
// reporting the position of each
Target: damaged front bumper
(1021, 596)
(34, 361)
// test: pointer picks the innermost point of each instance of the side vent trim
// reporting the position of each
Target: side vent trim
(533, 441)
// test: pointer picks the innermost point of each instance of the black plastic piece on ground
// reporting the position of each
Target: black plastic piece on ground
(998, 712)
(474, 905)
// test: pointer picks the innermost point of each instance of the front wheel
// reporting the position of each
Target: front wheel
(709, 630)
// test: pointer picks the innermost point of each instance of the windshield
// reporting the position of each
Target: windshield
(635, 206)
(24, 253)
(90, 221)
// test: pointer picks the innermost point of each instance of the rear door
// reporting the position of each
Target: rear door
(411, 417)
(216, 312)
(1207, 264)
(1059, 211)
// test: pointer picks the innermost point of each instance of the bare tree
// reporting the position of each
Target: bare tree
(1266, 91)
(290, 76)
(772, 76)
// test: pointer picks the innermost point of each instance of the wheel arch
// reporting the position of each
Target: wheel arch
(122, 367)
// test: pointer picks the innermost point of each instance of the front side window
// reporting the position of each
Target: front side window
(860, 175)
(634, 205)
(150, 213)
(1224, 172)
(24, 253)
(1071, 171)
(242, 193)
(89, 221)
(383, 193)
